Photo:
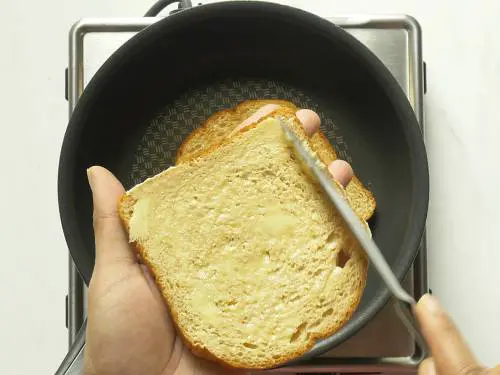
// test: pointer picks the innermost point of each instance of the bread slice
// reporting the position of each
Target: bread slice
(218, 126)
(252, 259)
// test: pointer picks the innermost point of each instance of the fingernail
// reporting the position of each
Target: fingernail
(90, 178)
(341, 171)
(309, 119)
(431, 303)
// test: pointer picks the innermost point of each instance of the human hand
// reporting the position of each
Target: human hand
(450, 353)
(129, 330)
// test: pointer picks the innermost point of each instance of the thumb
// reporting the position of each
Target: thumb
(111, 241)
(451, 354)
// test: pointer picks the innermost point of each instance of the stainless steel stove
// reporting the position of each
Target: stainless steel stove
(384, 345)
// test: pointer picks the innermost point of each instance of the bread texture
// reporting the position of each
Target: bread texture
(254, 262)
(221, 124)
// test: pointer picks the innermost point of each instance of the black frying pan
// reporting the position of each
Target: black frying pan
(166, 80)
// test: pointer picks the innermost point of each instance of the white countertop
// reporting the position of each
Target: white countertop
(461, 46)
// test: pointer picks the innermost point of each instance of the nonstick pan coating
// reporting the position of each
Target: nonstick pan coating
(166, 80)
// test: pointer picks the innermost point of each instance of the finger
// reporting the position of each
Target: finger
(451, 354)
(427, 367)
(309, 119)
(255, 117)
(110, 238)
(341, 171)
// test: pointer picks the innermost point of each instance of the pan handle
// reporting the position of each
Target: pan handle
(73, 362)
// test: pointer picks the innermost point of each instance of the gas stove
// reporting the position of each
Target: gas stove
(383, 345)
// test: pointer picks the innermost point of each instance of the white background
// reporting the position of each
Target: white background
(462, 50)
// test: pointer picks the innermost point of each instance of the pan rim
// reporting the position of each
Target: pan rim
(389, 85)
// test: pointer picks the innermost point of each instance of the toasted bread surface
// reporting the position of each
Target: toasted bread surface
(218, 126)
(253, 261)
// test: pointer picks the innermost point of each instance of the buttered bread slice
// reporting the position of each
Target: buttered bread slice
(253, 261)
